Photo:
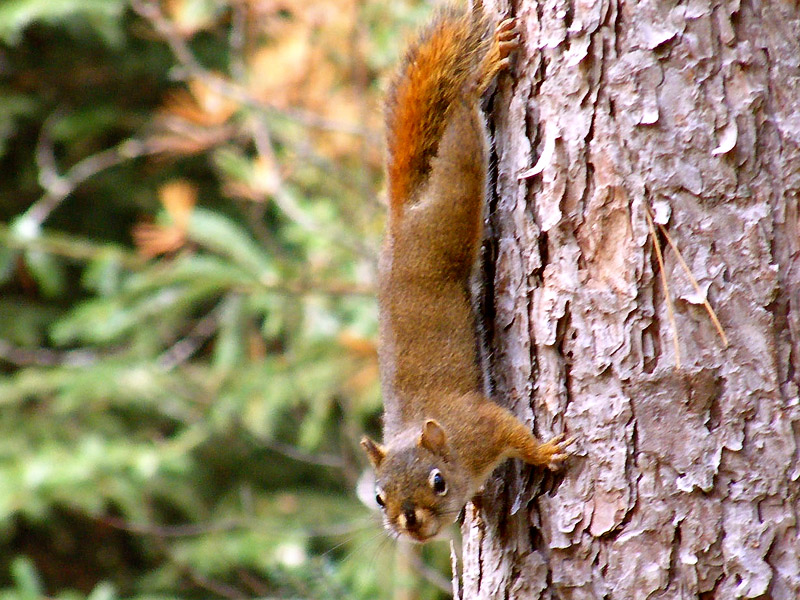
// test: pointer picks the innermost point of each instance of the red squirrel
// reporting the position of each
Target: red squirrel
(442, 435)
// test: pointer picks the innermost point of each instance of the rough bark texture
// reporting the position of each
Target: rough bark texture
(685, 483)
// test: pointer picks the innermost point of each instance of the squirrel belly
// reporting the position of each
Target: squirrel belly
(442, 435)
(427, 325)
(437, 160)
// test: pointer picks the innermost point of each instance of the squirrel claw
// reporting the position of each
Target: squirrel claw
(507, 46)
(506, 36)
(507, 25)
(503, 63)
(569, 441)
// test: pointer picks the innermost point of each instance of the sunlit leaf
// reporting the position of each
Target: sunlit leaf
(221, 235)
(102, 275)
(47, 271)
(228, 346)
(26, 579)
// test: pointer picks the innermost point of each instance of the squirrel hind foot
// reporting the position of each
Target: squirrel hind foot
(504, 41)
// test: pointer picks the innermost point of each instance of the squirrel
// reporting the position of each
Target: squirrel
(442, 435)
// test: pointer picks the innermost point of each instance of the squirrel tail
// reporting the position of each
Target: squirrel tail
(439, 68)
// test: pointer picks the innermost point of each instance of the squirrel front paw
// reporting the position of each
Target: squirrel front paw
(553, 453)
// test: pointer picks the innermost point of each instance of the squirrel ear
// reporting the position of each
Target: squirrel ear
(375, 452)
(433, 438)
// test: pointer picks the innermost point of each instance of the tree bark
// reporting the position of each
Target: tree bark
(684, 482)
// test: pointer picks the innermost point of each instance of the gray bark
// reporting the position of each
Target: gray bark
(685, 479)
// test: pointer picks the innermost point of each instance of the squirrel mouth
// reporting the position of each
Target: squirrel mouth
(419, 536)
(417, 524)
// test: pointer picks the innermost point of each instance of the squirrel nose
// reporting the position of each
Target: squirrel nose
(411, 517)
(409, 514)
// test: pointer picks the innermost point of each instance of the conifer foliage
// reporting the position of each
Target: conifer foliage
(189, 219)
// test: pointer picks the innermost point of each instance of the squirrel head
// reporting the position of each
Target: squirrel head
(419, 486)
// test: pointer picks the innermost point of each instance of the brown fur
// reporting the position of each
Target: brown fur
(437, 420)
(436, 71)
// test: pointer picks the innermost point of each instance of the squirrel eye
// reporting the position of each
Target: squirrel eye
(379, 499)
(437, 483)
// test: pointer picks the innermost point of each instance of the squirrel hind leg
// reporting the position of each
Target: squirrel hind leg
(504, 41)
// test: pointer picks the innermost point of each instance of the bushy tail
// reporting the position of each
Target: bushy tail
(439, 68)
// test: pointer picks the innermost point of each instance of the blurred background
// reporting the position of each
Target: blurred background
(190, 211)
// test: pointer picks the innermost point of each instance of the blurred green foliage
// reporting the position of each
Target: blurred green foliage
(188, 232)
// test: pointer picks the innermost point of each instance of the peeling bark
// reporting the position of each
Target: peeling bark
(685, 480)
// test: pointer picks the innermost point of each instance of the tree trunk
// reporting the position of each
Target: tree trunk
(684, 482)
